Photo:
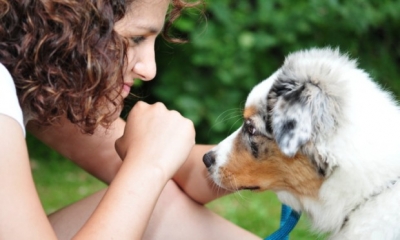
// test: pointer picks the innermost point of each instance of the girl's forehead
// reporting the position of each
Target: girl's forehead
(145, 14)
(156, 6)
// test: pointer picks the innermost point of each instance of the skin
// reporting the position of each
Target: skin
(155, 145)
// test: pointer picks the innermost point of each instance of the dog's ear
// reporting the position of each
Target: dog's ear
(306, 101)
(289, 114)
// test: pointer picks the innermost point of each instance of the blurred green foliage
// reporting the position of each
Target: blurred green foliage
(236, 44)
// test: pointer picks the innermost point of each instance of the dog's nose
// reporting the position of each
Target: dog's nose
(209, 159)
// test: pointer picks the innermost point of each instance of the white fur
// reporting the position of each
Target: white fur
(360, 144)
(222, 151)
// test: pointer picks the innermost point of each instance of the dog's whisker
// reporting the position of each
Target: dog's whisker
(227, 118)
(236, 188)
(239, 117)
(227, 115)
(227, 112)
(214, 186)
(237, 193)
(233, 124)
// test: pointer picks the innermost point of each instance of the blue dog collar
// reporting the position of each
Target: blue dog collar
(289, 219)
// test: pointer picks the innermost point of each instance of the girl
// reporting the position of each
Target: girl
(66, 67)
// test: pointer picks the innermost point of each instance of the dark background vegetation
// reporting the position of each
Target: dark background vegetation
(231, 48)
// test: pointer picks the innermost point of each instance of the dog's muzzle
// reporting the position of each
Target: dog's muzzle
(209, 159)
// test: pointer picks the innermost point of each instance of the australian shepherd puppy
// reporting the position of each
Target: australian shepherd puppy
(326, 138)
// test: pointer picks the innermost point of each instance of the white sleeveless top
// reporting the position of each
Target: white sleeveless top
(9, 104)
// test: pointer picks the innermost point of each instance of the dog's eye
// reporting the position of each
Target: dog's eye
(250, 127)
(251, 130)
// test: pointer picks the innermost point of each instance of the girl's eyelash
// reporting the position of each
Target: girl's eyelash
(137, 40)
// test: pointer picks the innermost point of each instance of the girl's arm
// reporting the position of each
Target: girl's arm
(21, 213)
(193, 178)
(96, 154)
(154, 145)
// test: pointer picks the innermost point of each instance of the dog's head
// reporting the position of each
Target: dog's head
(288, 120)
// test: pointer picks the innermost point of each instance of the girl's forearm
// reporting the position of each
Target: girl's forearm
(193, 178)
(125, 210)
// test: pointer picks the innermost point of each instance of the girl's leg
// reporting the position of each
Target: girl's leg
(176, 217)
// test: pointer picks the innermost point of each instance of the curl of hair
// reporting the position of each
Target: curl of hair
(65, 57)
(177, 7)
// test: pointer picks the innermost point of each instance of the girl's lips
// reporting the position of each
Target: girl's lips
(126, 89)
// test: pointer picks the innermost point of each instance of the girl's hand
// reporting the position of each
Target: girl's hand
(157, 136)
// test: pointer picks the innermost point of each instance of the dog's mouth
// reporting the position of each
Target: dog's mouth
(251, 188)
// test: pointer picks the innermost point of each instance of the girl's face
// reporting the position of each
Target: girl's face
(141, 24)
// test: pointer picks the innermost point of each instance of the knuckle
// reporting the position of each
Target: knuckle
(175, 113)
(159, 105)
(140, 105)
(189, 124)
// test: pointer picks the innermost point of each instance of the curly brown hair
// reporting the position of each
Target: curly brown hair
(65, 57)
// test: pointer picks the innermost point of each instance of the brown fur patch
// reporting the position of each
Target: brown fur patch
(249, 111)
(271, 170)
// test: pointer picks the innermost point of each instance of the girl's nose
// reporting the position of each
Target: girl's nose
(145, 66)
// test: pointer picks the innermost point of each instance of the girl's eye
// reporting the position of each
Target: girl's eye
(137, 40)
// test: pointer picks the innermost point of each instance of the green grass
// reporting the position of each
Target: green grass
(60, 182)
(258, 213)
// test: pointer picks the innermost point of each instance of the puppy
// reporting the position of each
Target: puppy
(325, 138)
